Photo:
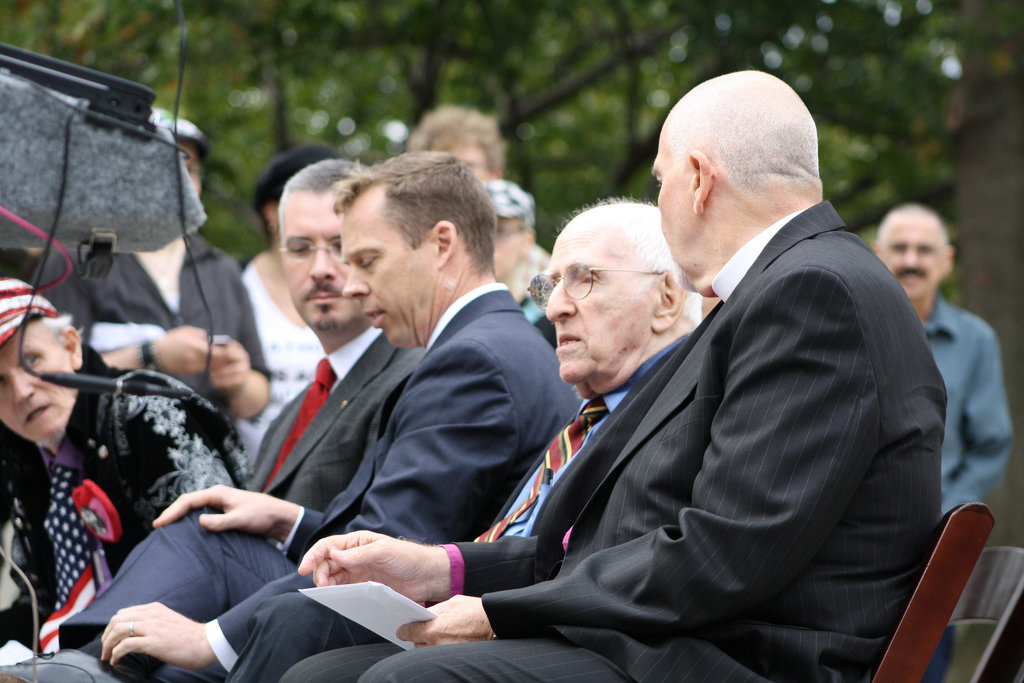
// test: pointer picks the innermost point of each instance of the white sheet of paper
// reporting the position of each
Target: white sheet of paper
(13, 652)
(372, 605)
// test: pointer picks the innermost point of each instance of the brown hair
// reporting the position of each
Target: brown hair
(423, 188)
(448, 127)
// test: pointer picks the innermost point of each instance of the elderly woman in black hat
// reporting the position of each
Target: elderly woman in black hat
(84, 474)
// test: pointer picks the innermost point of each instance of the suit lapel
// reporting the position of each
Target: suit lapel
(640, 413)
(488, 303)
(369, 365)
(272, 442)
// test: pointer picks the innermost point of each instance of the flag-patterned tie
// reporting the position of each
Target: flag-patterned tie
(315, 398)
(71, 552)
(561, 450)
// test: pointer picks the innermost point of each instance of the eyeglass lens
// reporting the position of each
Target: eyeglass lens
(303, 250)
(577, 280)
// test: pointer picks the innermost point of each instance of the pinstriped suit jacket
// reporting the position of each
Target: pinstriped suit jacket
(757, 509)
(329, 451)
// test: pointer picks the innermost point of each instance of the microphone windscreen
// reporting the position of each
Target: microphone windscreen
(116, 181)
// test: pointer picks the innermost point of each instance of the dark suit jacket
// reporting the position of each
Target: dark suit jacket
(469, 421)
(327, 454)
(758, 509)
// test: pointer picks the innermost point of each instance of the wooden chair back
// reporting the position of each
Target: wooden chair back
(944, 573)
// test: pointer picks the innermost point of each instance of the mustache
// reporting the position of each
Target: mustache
(902, 272)
(322, 289)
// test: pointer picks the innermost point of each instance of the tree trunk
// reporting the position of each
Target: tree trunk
(987, 121)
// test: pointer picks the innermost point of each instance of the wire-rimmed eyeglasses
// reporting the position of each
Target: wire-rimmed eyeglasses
(302, 250)
(578, 280)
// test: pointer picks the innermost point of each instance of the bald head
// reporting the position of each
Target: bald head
(753, 124)
(736, 154)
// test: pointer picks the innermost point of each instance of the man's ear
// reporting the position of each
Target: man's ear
(704, 176)
(72, 343)
(669, 306)
(444, 236)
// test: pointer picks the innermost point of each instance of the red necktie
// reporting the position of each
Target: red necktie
(564, 447)
(315, 397)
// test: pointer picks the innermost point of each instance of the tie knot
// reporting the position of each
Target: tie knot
(325, 374)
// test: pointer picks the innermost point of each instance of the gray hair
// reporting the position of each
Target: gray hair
(318, 178)
(912, 209)
(753, 124)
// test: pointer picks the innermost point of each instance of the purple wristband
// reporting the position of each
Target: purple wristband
(458, 568)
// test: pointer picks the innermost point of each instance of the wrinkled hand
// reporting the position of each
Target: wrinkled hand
(459, 620)
(249, 511)
(160, 632)
(182, 351)
(229, 367)
(420, 572)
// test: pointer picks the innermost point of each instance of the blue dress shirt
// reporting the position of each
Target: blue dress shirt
(978, 438)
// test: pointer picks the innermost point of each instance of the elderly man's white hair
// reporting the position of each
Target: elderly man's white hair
(640, 223)
(753, 124)
(57, 325)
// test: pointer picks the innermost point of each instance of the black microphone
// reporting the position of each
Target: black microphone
(113, 385)
(120, 181)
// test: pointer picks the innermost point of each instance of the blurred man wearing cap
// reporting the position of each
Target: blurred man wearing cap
(148, 311)
(120, 459)
(290, 348)
(512, 244)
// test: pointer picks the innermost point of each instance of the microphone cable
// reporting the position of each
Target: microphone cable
(35, 611)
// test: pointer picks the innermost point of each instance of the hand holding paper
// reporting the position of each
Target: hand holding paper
(402, 621)
(459, 620)
(372, 605)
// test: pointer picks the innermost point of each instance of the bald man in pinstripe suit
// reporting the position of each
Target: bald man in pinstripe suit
(758, 509)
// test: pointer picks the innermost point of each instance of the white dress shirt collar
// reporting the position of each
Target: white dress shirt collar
(343, 359)
(459, 304)
(735, 268)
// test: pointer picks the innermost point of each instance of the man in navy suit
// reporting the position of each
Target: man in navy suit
(758, 509)
(417, 235)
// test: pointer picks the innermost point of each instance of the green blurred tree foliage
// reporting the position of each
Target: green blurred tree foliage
(580, 89)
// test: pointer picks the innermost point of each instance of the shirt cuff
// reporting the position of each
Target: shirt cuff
(287, 543)
(457, 566)
(222, 649)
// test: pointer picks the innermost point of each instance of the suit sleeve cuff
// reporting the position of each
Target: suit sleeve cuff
(457, 566)
(222, 649)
